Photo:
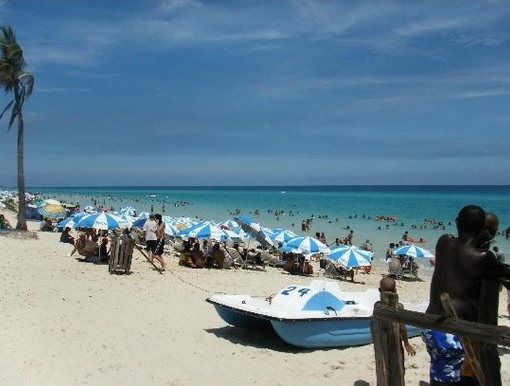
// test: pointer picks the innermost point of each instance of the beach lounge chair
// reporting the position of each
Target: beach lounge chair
(399, 270)
(334, 271)
(394, 267)
(271, 260)
(236, 257)
(252, 259)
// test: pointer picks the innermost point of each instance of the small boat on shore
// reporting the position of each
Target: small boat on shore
(316, 316)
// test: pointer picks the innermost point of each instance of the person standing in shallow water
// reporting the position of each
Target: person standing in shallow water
(349, 238)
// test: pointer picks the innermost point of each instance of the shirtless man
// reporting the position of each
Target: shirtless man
(460, 265)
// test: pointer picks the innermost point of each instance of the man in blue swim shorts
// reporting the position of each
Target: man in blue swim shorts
(446, 357)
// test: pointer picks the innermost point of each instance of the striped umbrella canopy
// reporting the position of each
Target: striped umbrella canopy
(71, 222)
(102, 221)
(283, 235)
(204, 230)
(173, 225)
(139, 223)
(350, 256)
(128, 211)
(231, 235)
(68, 222)
(413, 251)
(181, 222)
(229, 224)
(256, 231)
(307, 245)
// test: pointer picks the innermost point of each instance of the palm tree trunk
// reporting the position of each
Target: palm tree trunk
(22, 220)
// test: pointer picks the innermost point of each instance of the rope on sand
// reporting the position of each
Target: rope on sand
(188, 282)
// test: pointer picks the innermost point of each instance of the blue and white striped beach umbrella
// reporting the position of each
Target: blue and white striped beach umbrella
(229, 224)
(139, 223)
(128, 211)
(307, 245)
(68, 222)
(283, 235)
(143, 215)
(232, 235)
(204, 230)
(71, 222)
(101, 221)
(256, 231)
(350, 256)
(413, 251)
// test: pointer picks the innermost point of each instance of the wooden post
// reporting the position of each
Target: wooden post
(380, 352)
(387, 345)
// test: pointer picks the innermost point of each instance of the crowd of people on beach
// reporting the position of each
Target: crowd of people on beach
(460, 265)
(466, 266)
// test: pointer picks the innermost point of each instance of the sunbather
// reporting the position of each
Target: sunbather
(91, 249)
(79, 244)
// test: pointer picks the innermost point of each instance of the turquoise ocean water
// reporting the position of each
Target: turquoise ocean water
(424, 211)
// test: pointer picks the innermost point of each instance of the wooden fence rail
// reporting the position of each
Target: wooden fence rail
(386, 319)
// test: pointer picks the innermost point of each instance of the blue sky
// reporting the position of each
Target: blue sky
(262, 92)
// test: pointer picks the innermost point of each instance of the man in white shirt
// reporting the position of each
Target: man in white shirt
(151, 240)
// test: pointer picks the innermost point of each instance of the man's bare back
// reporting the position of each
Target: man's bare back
(458, 272)
(461, 265)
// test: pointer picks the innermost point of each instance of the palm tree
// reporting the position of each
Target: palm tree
(15, 80)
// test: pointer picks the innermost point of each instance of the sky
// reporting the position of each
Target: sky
(265, 92)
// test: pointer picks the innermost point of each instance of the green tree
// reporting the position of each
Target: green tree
(15, 80)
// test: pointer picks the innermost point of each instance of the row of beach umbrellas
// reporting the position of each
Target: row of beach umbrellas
(347, 256)
(239, 230)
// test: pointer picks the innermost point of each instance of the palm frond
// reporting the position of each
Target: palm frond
(7, 108)
(14, 113)
(28, 81)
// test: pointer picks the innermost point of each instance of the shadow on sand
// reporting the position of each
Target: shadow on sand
(264, 338)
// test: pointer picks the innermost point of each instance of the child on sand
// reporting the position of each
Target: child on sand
(388, 284)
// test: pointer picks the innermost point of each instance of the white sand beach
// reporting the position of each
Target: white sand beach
(70, 323)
